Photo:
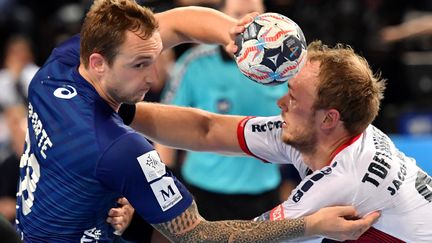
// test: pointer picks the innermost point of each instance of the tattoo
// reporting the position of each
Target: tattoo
(182, 223)
(191, 227)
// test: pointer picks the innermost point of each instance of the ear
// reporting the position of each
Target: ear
(97, 63)
(331, 119)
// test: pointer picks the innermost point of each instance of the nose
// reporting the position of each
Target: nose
(281, 103)
(150, 75)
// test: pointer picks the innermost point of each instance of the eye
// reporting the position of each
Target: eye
(139, 65)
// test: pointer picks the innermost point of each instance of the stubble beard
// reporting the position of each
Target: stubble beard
(305, 142)
(131, 100)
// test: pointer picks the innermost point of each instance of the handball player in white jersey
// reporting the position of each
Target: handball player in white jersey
(325, 131)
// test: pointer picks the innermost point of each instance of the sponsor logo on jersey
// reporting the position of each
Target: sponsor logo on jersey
(268, 126)
(66, 92)
(311, 181)
(151, 165)
(277, 213)
(166, 192)
(91, 235)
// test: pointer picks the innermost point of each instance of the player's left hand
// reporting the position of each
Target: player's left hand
(237, 29)
(338, 223)
(120, 217)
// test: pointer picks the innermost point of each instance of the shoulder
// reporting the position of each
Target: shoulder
(127, 147)
(261, 137)
(68, 51)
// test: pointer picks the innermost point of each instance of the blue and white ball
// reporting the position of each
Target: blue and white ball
(272, 49)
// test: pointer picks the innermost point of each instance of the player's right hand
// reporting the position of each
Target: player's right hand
(339, 223)
(120, 217)
(237, 29)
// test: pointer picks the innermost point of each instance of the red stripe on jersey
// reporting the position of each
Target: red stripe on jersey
(242, 140)
(373, 235)
(340, 148)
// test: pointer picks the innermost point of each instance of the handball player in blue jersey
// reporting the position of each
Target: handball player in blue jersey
(80, 157)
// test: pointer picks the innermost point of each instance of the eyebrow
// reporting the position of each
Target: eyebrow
(142, 58)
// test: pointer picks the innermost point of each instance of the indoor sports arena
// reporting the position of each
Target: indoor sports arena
(215, 121)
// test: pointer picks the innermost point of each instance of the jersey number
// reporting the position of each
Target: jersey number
(30, 173)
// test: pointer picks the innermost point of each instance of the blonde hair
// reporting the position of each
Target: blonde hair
(106, 23)
(347, 84)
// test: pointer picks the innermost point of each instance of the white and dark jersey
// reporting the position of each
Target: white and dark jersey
(368, 172)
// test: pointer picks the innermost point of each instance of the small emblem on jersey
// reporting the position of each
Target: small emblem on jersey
(277, 213)
(151, 165)
(91, 235)
(65, 92)
(166, 192)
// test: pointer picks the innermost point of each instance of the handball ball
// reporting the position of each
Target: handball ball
(272, 49)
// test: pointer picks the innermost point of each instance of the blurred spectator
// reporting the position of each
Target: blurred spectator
(414, 37)
(7, 232)
(18, 71)
(15, 17)
(207, 77)
(9, 168)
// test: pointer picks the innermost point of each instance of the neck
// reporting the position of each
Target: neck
(96, 83)
(325, 151)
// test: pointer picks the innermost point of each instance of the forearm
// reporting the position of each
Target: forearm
(171, 125)
(195, 229)
(194, 24)
(418, 26)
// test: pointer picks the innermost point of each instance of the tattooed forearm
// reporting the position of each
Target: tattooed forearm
(179, 225)
(190, 227)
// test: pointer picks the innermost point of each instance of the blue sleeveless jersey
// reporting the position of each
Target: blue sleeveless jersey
(80, 158)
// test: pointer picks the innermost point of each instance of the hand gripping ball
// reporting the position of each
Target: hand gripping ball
(272, 49)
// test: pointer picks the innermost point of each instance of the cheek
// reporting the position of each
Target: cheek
(131, 79)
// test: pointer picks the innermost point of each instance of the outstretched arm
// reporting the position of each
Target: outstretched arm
(328, 222)
(187, 128)
(200, 24)
(194, 24)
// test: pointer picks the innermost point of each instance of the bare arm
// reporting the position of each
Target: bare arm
(416, 27)
(328, 222)
(187, 128)
(194, 24)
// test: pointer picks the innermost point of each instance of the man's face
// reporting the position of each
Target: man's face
(132, 72)
(300, 128)
(239, 8)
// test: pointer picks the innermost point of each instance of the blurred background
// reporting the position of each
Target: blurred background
(395, 36)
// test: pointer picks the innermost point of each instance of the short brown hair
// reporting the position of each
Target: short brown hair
(106, 23)
(347, 84)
